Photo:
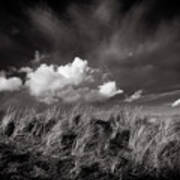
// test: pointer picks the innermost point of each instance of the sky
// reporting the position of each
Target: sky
(135, 41)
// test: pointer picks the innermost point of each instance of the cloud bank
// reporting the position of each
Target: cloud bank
(71, 82)
(75, 81)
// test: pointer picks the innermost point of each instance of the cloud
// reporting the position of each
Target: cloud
(124, 42)
(25, 70)
(109, 89)
(104, 35)
(176, 103)
(71, 82)
(134, 96)
(107, 37)
(10, 84)
(51, 78)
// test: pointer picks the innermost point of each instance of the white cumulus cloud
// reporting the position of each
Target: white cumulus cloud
(10, 84)
(109, 89)
(49, 79)
(71, 82)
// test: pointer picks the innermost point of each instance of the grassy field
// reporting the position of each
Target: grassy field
(87, 143)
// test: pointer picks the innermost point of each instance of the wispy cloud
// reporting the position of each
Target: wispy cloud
(176, 103)
(137, 95)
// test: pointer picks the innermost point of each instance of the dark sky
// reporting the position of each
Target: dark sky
(137, 40)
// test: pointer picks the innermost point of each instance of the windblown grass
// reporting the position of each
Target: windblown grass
(88, 143)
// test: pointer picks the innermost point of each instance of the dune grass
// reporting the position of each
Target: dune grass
(88, 143)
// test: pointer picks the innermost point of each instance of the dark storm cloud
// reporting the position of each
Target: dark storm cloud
(136, 40)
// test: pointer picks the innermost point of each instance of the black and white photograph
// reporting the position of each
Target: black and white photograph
(89, 89)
